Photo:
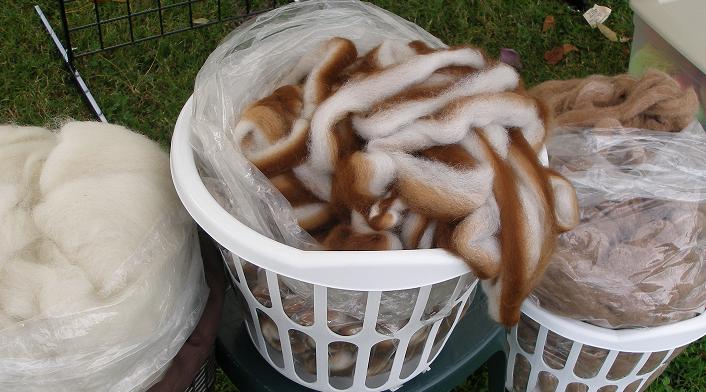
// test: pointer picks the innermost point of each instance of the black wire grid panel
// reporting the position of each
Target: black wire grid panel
(92, 26)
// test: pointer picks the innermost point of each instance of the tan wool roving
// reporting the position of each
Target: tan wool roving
(655, 101)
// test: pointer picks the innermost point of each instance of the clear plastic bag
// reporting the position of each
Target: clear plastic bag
(111, 284)
(255, 59)
(249, 64)
(638, 258)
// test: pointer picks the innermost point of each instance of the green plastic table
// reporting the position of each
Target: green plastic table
(475, 341)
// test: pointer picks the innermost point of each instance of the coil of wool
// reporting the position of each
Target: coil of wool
(655, 101)
(100, 278)
(407, 147)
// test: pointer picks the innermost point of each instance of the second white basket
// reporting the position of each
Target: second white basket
(549, 353)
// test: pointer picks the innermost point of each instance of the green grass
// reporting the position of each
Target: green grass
(144, 86)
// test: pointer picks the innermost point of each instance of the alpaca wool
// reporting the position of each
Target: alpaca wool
(98, 282)
(638, 257)
(411, 147)
(655, 101)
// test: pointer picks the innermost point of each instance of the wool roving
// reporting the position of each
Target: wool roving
(637, 257)
(403, 109)
(411, 147)
(361, 95)
(98, 281)
(22, 154)
(654, 101)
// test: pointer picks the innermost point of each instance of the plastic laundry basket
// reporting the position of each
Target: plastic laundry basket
(376, 276)
(553, 353)
(203, 382)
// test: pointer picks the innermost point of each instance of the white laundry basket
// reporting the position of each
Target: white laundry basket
(330, 275)
(553, 353)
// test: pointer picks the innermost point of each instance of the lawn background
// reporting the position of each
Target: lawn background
(144, 86)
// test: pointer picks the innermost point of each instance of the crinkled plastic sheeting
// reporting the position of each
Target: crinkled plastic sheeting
(638, 258)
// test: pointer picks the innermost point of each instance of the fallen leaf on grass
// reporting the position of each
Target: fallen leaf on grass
(548, 23)
(555, 55)
(569, 48)
(607, 32)
(200, 21)
(511, 57)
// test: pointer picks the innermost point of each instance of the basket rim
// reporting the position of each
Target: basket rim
(638, 340)
(352, 270)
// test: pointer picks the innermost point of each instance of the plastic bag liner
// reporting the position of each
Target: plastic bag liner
(638, 258)
(127, 343)
(248, 65)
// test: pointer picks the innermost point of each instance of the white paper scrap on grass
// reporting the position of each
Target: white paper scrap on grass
(597, 15)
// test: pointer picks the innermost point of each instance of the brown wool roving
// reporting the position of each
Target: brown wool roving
(637, 257)
(409, 147)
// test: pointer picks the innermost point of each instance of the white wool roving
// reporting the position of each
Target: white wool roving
(22, 153)
(101, 279)
(90, 149)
